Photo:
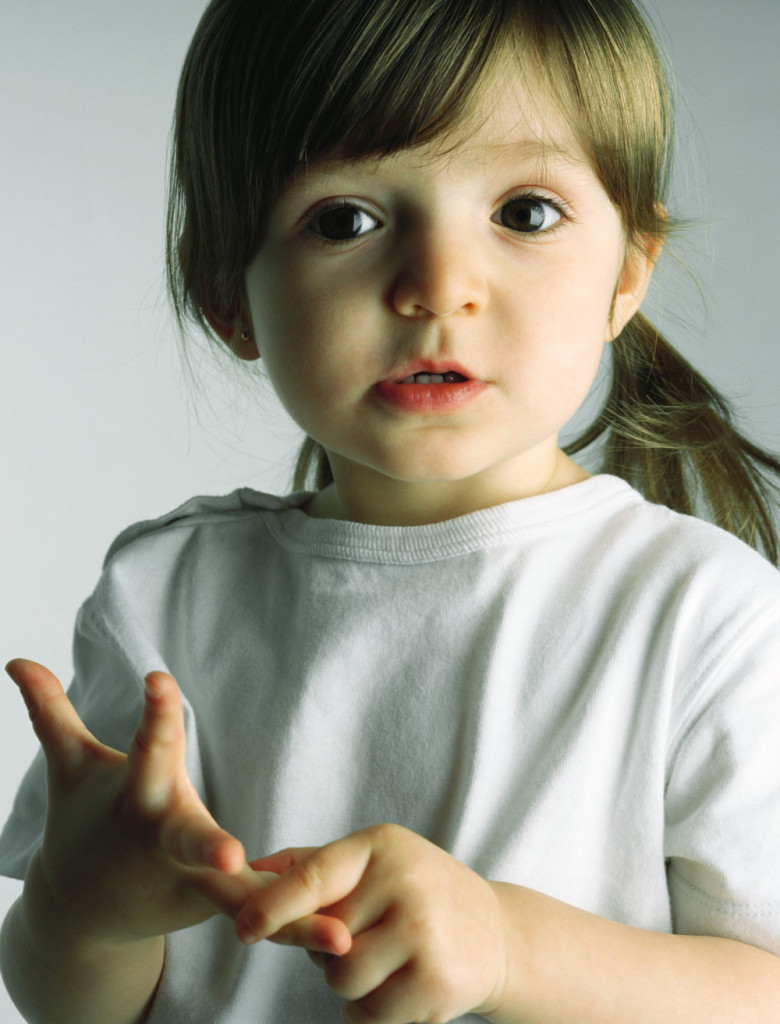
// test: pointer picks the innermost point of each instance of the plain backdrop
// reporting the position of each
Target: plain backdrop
(100, 426)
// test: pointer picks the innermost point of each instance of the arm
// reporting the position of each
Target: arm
(129, 854)
(565, 965)
(54, 973)
(432, 940)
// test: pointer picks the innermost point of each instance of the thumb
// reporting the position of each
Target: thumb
(61, 733)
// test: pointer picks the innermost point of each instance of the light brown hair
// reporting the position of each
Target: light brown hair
(266, 89)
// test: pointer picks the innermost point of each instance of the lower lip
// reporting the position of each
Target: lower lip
(439, 398)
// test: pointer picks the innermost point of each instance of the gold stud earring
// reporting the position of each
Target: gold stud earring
(245, 335)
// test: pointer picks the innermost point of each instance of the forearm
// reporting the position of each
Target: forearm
(56, 976)
(566, 966)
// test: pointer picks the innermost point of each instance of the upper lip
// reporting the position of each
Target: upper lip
(429, 366)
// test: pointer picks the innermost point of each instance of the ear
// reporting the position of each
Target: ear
(236, 334)
(638, 268)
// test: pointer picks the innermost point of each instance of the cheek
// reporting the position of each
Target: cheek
(561, 325)
(562, 311)
(316, 345)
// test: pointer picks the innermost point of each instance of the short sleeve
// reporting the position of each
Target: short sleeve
(107, 692)
(722, 839)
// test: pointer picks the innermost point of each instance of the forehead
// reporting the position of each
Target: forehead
(512, 121)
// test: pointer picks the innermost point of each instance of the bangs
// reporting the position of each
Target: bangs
(372, 79)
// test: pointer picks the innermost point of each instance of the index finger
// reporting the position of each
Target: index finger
(322, 878)
(156, 755)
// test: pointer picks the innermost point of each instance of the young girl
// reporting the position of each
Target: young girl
(511, 725)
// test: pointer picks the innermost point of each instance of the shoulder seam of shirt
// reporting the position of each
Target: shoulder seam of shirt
(179, 518)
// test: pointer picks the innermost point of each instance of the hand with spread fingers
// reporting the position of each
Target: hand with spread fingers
(428, 933)
(130, 851)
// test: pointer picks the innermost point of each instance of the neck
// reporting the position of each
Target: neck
(362, 496)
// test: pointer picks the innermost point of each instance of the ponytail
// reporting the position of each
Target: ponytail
(671, 436)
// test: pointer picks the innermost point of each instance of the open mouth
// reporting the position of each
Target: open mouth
(450, 377)
(425, 387)
(429, 371)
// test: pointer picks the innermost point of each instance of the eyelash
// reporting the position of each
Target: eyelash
(558, 205)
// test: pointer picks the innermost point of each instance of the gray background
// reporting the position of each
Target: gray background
(100, 427)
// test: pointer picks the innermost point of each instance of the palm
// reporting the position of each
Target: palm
(130, 850)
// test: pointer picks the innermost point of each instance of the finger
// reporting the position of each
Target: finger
(322, 878)
(284, 859)
(228, 893)
(156, 755)
(318, 933)
(398, 998)
(194, 839)
(374, 957)
(320, 960)
(61, 733)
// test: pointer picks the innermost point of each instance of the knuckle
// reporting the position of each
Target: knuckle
(181, 838)
(258, 919)
(386, 832)
(337, 976)
(341, 977)
(143, 742)
(428, 994)
(439, 1016)
(160, 733)
(438, 991)
(310, 876)
(361, 1012)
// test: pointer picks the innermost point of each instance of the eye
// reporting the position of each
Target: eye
(531, 214)
(341, 222)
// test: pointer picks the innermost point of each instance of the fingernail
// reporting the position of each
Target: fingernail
(245, 933)
(29, 703)
(151, 687)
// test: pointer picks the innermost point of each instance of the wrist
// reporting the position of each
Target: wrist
(565, 963)
(54, 970)
(52, 924)
(503, 1006)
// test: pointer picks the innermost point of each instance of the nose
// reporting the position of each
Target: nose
(441, 272)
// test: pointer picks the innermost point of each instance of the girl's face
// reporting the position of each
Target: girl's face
(499, 260)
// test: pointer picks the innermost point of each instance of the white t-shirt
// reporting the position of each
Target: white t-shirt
(578, 692)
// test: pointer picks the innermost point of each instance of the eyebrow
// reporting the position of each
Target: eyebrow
(522, 148)
(515, 149)
(529, 146)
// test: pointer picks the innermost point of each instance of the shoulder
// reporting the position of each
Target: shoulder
(684, 547)
(173, 528)
(684, 588)
(209, 550)
(178, 574)
(714, 600)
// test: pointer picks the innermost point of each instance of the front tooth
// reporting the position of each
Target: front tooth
(430, 378)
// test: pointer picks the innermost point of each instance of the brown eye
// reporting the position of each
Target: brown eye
(529, 215)
(341, 223)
